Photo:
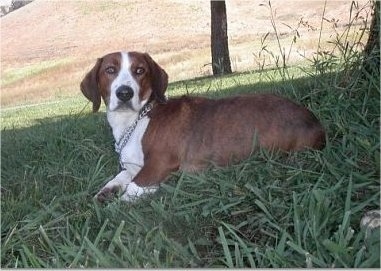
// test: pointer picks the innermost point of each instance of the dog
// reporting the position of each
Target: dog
(155, 136)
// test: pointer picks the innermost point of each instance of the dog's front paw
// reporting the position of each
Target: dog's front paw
(133, 192)
(128, 192)
(107, 193)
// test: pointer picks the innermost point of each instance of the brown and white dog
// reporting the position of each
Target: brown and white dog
(155, 136)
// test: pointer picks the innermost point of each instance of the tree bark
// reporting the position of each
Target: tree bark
(219, 39)
(372, 48)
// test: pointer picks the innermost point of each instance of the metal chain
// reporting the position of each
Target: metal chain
(130, 129)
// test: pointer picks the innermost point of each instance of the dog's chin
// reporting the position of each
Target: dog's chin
(123, 106)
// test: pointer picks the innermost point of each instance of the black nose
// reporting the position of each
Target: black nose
(124, 93)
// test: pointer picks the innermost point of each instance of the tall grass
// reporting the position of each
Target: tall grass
(271, 210)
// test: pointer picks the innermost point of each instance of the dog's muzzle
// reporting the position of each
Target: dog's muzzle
(124, 93)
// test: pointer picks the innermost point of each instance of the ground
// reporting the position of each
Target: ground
(48, 46)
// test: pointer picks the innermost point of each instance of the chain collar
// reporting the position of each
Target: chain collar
(130, 129)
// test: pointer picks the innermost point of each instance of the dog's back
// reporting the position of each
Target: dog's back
(199, 131)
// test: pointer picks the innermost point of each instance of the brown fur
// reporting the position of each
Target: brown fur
(96, 83)
(190, 133)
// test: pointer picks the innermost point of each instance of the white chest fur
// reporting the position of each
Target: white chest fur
(132, 155)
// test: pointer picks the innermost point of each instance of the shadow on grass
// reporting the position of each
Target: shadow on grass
(63, 148)
(56, 140)
(58, 149)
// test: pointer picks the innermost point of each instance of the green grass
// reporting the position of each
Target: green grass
(271, 210)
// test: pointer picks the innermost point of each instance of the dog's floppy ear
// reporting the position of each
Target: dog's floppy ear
(89, 86)
(159, 80)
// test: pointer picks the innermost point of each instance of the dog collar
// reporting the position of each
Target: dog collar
(121, 143)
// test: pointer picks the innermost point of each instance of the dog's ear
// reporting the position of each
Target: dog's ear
(89, 86)
(159, 80)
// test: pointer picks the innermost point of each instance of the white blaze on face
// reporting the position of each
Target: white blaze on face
(125, 78)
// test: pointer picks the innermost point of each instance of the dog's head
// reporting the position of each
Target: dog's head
(125, 81)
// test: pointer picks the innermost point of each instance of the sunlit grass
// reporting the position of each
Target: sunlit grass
(12, 75)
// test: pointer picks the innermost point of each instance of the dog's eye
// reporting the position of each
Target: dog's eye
(110, 70)
(139, 71)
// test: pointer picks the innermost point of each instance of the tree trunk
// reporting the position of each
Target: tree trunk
(219, 39)
(371, 61)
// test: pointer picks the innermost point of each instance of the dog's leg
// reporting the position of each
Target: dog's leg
(155, 170)
(152, 173)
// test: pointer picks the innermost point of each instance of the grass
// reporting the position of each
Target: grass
(20, 116)
(12, 75)
(271, 210)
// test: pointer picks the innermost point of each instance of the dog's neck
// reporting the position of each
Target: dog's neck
(120, 120)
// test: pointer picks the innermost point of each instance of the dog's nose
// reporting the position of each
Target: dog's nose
(124, 93)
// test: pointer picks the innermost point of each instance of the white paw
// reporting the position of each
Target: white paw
(133, 192)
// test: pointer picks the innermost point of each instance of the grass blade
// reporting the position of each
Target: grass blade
(225, 246)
